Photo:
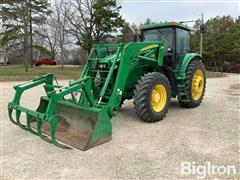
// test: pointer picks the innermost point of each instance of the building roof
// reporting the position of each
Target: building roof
(165, 24)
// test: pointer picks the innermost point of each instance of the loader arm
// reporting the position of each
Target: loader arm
(133, 55)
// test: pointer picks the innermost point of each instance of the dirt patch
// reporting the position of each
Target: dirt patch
(235, 86)
(234, 89)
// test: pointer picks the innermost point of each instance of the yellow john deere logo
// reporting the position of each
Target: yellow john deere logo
(149, 47)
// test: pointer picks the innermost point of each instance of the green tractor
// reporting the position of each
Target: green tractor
(150, 72)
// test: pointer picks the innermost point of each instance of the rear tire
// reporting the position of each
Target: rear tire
(195, 85)
(152, 97)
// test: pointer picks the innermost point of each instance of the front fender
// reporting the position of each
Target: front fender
(187, 59)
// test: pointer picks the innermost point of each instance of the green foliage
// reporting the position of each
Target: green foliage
(20, 19)
(106, 16)
(127, 32)
(94, 21)
(149, 21)
(221, 43)
(42, 50)
(76, 61)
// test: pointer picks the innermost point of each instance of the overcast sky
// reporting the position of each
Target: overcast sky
(136, 11)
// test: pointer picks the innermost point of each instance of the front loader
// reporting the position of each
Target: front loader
(150, 72)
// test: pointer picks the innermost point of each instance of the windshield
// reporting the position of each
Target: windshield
(162, 34)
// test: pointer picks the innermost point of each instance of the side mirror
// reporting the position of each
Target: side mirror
(141, 37)
(135, 37)
(203, 28)
(169, 50)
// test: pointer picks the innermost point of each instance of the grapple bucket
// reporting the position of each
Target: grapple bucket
(78, 127)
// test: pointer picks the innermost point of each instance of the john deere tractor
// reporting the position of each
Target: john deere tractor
(150, 72)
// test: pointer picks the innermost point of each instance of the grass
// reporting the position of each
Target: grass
(17, 73)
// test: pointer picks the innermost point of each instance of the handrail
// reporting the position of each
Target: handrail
(109, 76)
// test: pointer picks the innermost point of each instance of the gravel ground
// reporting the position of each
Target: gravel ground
(138, 150)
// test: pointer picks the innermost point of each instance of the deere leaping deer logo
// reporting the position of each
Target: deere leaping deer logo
(149, 47)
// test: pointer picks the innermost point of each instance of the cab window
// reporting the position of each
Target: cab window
(161, 34)
(182, 43)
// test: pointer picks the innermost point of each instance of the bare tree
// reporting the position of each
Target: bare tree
(58, 22)
(92, 20)
(49, 38)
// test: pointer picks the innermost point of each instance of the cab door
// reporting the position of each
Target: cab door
(182, 45)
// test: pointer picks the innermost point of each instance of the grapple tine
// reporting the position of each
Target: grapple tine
(23, 127)
(53, 127)
(29, 127)
(10, 110)
(46, 139)
(39, 129)
(18, 114)
(39, 125)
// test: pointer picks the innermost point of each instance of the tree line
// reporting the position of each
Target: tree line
(221, 43)
(33, 28)
(49, 27)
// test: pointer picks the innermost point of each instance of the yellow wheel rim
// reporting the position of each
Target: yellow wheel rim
(197, 84)
(158, 98)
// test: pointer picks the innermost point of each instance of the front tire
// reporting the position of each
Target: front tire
(152, 97)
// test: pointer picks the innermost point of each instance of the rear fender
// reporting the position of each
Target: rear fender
(187, 59)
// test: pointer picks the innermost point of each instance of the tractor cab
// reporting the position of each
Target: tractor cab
(175, 37)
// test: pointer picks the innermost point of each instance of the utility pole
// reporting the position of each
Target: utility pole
(201, 37)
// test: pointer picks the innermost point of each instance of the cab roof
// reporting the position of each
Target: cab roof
(165, 24)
